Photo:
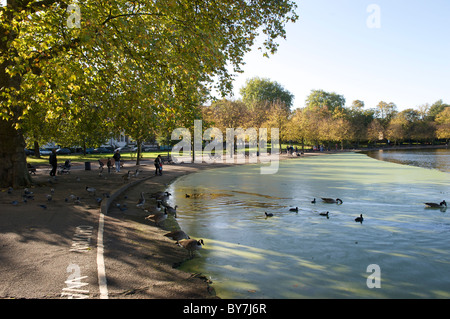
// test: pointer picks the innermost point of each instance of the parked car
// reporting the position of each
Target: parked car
(124, 149)
(90, 150)
(102, 150)
(45, 151)
(29, 152)
(63, 151)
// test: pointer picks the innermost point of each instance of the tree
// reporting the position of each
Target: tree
(225, 114)
(436, 108)
(443, 124)
(325, 100)
(385, 112)
(257, 90)
(375, 131)
(185, 46)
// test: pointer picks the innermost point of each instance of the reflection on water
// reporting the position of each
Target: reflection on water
(305, 255)
(427, 158)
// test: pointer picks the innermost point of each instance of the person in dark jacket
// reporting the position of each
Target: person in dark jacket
(158, 165)
(54, 162)
(116, 157)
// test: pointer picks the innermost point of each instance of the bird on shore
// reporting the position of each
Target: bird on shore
(325, 214)
(49, 197)
(157, 218)
(90, 190)
(136, 173)
(359, 219)
(126, 176)
(161, 196)
(141, 201)
(191, 245)
(177, 235)
(294, 209)
(171, 210)
(268, 214)
(331, 200)
(435, 205)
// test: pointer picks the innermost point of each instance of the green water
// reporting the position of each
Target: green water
(305, 255)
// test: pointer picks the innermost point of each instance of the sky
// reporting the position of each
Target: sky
(371, 50)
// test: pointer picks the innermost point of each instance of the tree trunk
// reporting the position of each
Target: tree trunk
(138, 153)
(37, 152)
(13, 168)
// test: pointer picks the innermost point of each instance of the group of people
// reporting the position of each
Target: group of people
(158, 163)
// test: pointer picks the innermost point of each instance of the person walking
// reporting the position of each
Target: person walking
(109, 164)
(116, 158)
(158, 165)
(54, 162)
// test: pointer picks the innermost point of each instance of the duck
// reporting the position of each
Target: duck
(331, 200)
(313, 201)
(141, 201)
(191, 245)
(177, 235)
(293, 209)
(157, 218)
(268, 214)
(324, 214)
(359, 219)
(435, 205)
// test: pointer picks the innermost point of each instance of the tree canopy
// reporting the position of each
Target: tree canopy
(57, 60)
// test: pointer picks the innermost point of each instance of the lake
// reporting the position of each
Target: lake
(427, 158)
(306, 255)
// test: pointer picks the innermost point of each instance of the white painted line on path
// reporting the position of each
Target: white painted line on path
(100, 259)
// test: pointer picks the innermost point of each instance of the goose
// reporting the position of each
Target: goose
(177, 235)
(313, 201)
(191, 245)
(90, 190)
(435, 205)
(294, 209)
(359, 219)
(157, 218)
(331, 200)
(171, 210)
(324, 214)
(136, 173)
(161, 195)
(268, 214)
(126, 176)
(141, 201)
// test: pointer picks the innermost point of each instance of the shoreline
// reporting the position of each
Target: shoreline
(140, 262)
